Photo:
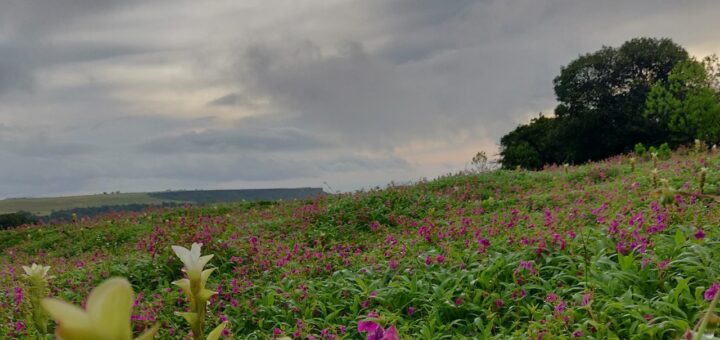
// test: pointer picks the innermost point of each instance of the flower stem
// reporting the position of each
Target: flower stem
(706, 318)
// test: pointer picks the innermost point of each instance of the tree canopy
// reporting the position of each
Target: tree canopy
(688, 102)
(647, 91)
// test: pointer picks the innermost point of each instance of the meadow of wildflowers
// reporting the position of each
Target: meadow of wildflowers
(608, 250)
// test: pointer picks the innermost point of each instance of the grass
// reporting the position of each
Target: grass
(597, 253)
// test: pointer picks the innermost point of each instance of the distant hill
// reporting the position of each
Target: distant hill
(46, 205)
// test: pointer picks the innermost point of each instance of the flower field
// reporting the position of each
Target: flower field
(607, 250)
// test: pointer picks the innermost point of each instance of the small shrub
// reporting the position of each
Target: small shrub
(640, 149)
(664, 151)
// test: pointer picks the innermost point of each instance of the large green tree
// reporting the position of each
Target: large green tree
(603, 94)
(532, 145)
(602, 98)
(688, 103)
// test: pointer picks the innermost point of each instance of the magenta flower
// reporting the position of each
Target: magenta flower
(411, 311)
(499, 303)
(368, 326)
(440, 259)
(699, 234)
(586, 299)
(428, 260)
(19, 326)
(376, 332)
(19, 296)
(710, 292)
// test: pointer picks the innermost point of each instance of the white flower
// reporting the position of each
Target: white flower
(36, 272)
(194, 263)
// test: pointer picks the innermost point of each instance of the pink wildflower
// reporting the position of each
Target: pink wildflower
(376, 332)
(710, 292)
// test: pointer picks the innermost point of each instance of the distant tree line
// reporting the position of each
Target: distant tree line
(16, 219)
(23, 217)
(260, 197)
(67, 215)
(647, 91)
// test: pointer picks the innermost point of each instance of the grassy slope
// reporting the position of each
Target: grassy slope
(592, 252)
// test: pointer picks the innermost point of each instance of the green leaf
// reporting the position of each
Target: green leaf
(679, 238)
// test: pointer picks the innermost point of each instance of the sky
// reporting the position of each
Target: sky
(131, 95)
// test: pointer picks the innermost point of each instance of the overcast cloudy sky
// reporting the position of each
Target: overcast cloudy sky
(131, 95)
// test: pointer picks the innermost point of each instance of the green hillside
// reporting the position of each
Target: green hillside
(44, 206)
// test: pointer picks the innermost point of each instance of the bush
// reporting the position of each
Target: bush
(664, 152)
(640, 149)
(16, 219)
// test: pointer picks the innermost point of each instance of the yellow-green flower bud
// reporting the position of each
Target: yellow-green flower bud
(36, 278)
(107, 315)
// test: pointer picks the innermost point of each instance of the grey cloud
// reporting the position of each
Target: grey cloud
(27, 28)
(411, 14)
(20, 60)
(444, 68)
(47, 149)
(232, 99)
(223, 168)
(98, 172)
(29, 142)
(333, 91)
(14, 77)
(15, 70)
(233, 140)
(32, 19)
(370, 101)
(346, 163)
